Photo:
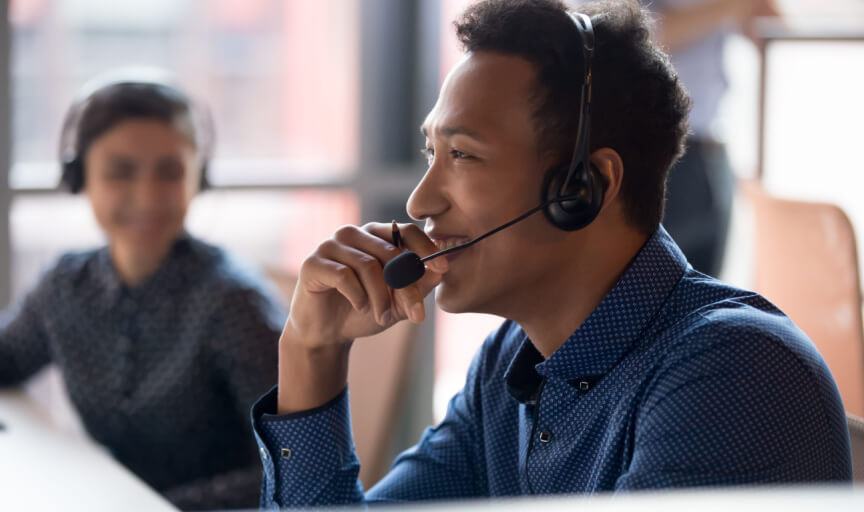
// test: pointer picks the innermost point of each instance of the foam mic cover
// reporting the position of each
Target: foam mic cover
(403, 270)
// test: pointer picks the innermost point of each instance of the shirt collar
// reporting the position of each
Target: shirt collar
(168, 276)
(106, 275)
(612, 328)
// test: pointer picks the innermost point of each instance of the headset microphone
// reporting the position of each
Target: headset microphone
(572, 193)
(407, 268)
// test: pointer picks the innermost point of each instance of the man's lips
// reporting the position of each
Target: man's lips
(445, 243)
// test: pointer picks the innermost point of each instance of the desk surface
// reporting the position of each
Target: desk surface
(761, 499)
(44, 468)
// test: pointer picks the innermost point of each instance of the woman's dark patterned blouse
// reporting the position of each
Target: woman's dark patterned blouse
(162, 374)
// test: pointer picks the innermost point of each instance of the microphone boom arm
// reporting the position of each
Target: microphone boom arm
(466, 245)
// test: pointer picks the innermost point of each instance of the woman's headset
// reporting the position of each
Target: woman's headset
(73, 149)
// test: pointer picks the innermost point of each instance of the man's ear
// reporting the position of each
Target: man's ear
(608, 163)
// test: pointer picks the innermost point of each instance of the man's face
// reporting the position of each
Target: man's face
(140, 177)
(484, 170)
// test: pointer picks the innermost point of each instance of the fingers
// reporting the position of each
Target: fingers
(414, 239)
(369, 241)
(349, 268)
(355, 258)
(408, 301)
(352, 262)
(417, 241)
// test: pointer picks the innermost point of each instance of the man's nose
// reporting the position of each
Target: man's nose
(429, 197)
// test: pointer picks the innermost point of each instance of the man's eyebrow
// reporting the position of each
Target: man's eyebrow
(449, 131)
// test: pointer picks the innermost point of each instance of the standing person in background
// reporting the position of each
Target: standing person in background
(700, 185)
(163, 341)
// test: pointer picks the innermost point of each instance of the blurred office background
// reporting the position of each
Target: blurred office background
(317, 104)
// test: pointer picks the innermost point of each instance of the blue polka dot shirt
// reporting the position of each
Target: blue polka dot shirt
(162, 374)
(675, 380)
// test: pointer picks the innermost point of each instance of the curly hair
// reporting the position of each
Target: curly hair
(639, 108)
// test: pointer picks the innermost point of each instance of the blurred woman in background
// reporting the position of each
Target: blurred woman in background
(162, 340)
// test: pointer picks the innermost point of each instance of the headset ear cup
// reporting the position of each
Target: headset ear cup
(73, 175)
(585, 197)
(204, 182)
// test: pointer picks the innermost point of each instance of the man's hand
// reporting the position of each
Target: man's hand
(341, 295)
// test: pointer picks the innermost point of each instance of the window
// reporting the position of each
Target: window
(280, 78)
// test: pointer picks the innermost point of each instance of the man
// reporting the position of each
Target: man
(619, 367)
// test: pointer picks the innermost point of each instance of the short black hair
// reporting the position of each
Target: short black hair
(639, 108)
(109, 105)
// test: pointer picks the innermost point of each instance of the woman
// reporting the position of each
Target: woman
(162, 340)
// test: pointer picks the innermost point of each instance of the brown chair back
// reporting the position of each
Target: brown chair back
(856, 438)
(807, 264)
(376, 377)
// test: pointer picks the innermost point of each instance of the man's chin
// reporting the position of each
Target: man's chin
(451, 300)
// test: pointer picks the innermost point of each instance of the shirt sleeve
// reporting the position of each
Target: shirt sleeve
(309, 457)
(747, 410)
(24, 347)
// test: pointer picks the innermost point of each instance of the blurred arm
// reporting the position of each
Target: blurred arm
(244, 338)
(678, 27)
(23, 340)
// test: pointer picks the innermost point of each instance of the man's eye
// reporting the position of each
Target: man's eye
(429, 153)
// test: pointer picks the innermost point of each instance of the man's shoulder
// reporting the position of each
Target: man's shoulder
(726, 322)
(733, 376)
(709, 306)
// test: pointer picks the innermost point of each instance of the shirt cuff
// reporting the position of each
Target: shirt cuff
(302, 451)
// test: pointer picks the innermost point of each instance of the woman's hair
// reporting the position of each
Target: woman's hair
(110, 104)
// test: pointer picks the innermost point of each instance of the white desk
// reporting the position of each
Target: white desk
(777, 499)
(45, 468)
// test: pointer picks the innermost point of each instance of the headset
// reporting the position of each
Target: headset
(573, 193)
(571, 196)
(71, 152)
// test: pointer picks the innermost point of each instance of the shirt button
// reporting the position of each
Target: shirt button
(286, 453)
(545, 436)
(263, 453)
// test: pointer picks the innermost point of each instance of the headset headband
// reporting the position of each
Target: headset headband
(199, 114)
(583, 129)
